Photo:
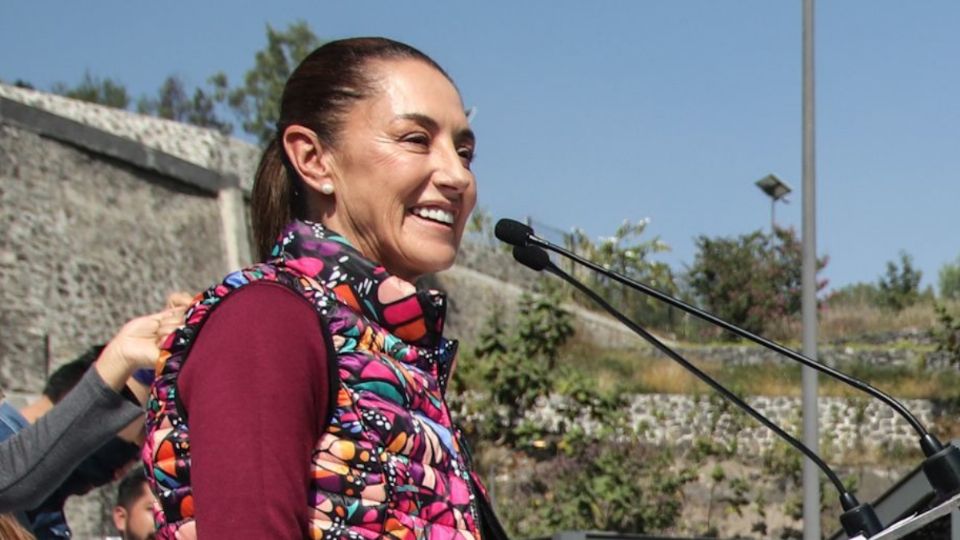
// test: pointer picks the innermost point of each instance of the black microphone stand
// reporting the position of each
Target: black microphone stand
(942, 463)
(857, 519)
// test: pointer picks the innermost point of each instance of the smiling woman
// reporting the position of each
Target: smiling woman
(399, 173)
(305, 395)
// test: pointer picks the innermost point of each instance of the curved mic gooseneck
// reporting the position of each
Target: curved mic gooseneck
(942, 466)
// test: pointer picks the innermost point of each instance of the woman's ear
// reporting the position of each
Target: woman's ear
(309, 157)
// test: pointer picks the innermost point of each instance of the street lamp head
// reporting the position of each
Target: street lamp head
(774, 187)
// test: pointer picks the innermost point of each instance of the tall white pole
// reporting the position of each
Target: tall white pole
(811, 432)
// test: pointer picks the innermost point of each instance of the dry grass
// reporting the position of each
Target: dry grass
(622, 371)
(913, 386)
(667, 377)
(846, 321)
(644, 372)
(850, 322)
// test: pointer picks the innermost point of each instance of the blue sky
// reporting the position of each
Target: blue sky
(590, 113)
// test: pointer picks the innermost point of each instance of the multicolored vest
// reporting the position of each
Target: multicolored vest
(390, 463)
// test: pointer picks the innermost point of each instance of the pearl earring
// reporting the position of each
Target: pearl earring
(326, 189)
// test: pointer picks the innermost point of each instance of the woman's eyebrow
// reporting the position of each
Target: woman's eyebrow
(422, 119)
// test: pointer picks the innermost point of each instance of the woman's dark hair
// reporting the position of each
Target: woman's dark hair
(317, 95)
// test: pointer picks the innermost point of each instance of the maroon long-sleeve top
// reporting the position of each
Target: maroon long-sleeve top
(256, 389)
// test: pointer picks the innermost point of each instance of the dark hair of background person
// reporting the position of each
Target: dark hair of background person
(68, 375)
(131, 487)
(317, 95)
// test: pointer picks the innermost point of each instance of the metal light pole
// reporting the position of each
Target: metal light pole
(811, 428)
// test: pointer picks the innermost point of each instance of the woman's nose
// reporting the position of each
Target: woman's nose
(452, 174)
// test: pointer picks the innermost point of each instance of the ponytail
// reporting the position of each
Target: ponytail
(10, 529)
(273, 200)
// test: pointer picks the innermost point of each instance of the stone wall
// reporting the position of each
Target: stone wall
(846, 425)
(88, 243)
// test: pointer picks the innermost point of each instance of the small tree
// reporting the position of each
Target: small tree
(96, 90)
(950, 281)
(855, 294)
(947, 334)
(519, 369)
(173, 103)
(257, 102)
(543, 326)
(629, 255)
(750, 280)
(900, 286)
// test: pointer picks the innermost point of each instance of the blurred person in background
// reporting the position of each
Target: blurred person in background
(133, 513)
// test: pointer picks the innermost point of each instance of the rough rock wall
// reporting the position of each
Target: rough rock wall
(846, 424)
(200, 146)
(87, 243)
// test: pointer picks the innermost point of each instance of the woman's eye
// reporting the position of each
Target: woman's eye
(466, 154)
(417, 138)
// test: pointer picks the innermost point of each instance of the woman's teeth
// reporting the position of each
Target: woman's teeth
(435, 214)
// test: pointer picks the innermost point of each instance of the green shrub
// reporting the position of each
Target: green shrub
(627, 254)
(855, 294)
(751, 280)
(947, 334)
(950, 281)
(900, 286)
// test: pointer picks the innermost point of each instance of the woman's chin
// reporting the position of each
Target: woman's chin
(429, 258)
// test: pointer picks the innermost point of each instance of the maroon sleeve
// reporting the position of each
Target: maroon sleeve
(256, 390)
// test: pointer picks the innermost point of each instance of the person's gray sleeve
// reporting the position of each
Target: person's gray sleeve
(37, 459)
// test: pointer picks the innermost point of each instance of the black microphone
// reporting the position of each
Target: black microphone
(532, 257)
(857, 519)
(512, 232)
(942, 463)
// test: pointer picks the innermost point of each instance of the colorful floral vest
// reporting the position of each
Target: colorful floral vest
(390, 463)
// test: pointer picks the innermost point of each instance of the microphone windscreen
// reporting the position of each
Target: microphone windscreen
(533, 257)
(512, 232)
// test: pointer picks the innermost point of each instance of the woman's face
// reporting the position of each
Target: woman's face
(401, 171)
